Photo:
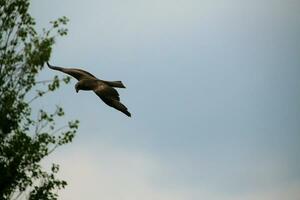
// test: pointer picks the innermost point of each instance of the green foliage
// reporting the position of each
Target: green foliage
(25, 141)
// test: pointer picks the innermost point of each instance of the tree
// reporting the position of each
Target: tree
(24, 139)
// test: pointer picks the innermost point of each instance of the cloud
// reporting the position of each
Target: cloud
(112, 172)
(109, 174)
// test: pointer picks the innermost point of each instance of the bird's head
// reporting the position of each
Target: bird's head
(77, 87)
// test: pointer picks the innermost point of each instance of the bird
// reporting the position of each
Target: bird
(103, 89)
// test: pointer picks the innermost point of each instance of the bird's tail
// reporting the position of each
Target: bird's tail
(117, 84)
(119, 106)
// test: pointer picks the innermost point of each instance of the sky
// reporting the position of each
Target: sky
(213, 88)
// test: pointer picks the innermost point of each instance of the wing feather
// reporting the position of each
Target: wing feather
(79, 74)
(110, 96)
(106, 93)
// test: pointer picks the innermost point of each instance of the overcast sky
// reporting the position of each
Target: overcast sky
(213, 88)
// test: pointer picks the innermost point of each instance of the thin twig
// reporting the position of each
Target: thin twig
(34, 98)
(53, 149)
(43, 82)
(59, 129)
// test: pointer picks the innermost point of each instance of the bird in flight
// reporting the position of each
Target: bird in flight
(103, 89)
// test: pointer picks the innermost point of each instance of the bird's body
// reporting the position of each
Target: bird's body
(88, 84)
(103, 89)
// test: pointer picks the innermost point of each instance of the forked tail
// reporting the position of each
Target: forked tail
(117, 84)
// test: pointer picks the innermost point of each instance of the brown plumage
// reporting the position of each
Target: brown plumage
(104, 89)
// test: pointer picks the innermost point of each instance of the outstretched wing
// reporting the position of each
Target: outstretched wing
(110, 96)
(76, 73)
(106, 92)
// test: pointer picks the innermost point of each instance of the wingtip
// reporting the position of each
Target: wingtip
(127, 113)
(123, 86)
